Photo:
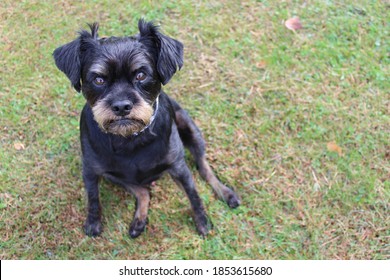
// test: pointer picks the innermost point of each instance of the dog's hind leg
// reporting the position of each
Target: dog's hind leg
(140, 219)
(181, 174)
(193, 140)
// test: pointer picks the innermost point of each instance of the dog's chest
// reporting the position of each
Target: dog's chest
(138, 160)
(139, 165)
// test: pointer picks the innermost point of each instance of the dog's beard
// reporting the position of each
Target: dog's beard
(139, 117)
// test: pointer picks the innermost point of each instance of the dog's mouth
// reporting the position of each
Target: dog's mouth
(127, 122)
(139, 117)
(124, 126)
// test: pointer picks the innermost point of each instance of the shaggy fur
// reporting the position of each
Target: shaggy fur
(131, 132)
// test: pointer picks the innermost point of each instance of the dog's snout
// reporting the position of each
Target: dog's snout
(122, 107)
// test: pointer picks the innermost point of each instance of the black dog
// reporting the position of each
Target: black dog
(131, 131)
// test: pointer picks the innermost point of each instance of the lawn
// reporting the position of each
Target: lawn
(296, 120)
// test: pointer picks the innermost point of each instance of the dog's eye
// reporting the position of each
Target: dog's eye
(99, 81)
(140, 76)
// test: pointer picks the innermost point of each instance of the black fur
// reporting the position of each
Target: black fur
(169, 53)
(131, 132)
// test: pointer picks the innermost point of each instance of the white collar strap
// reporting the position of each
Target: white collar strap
(151, 119)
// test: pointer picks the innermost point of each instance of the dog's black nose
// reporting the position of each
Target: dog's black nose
(122, 107)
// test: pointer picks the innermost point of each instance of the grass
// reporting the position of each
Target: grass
(269, 102)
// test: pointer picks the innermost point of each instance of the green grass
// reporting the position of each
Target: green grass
(268, 100)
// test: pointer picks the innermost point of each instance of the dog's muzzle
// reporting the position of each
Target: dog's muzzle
(124, 118)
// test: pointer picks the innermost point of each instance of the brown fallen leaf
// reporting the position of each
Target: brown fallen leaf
(19, 146)
(333, 147)
(293, 24)
(261, 64)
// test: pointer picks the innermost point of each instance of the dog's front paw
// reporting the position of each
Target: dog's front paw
(93, 228)
(137, 227)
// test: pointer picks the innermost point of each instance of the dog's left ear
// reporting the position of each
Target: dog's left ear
(168, 51)
(69, 57)
(68, 61)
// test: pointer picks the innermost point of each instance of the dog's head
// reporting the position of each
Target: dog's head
(121, 77)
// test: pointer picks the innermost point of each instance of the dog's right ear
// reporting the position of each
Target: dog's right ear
(68, 57)
(168, 51)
